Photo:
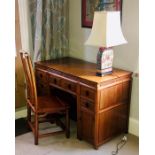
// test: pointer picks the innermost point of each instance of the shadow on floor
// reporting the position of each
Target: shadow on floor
(21, 126)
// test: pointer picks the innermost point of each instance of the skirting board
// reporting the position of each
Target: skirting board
(21, 113)
(133, 123)
(134, 126)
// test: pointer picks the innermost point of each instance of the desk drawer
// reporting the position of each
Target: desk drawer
(89, 105)
(41, 76)
(87, 92)
(41, 82)
(68, 85)
(55, 80)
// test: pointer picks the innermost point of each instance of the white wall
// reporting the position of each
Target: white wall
(79, 35)
(126, 56)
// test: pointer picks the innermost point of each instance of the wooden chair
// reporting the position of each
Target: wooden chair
(42, 106)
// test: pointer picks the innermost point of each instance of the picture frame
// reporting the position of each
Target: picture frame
(89, 6)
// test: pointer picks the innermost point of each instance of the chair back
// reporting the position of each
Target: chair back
(30, 78)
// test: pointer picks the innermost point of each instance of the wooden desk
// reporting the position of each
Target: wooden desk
(102, 102)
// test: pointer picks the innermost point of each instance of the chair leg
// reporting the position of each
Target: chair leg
(28, 116)
(36, 125)
(28, 113)
(67, 124)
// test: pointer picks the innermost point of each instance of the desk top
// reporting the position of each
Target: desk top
(81, 69)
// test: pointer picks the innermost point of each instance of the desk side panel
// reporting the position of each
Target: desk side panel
(113, 109)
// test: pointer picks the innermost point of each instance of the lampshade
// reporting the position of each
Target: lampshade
(106, 30)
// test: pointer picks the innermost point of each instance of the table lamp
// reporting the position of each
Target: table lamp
(106, 33)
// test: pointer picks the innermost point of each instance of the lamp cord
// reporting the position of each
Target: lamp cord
(120, 145)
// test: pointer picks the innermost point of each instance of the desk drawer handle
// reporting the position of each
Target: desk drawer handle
(69, 86)
(41, 75)
(87, 93)
(55, 81)
(87, 105)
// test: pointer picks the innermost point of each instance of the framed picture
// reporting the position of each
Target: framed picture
(89, 6)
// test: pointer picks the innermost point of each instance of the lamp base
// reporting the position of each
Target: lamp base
(104, 71)
(104, 61)
(103, 74)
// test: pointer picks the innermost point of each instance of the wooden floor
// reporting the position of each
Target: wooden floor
(59, 145)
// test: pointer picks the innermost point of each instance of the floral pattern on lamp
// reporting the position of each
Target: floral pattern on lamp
(104, 61)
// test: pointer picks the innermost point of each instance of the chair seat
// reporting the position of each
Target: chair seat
(51, 104)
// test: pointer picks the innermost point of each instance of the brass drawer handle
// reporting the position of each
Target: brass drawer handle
(69, 86)
(41, 75)
(87, 105)
(55, 81)
(87, 93)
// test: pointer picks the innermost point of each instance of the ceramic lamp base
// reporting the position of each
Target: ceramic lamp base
(104, 72)
(104, 61)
